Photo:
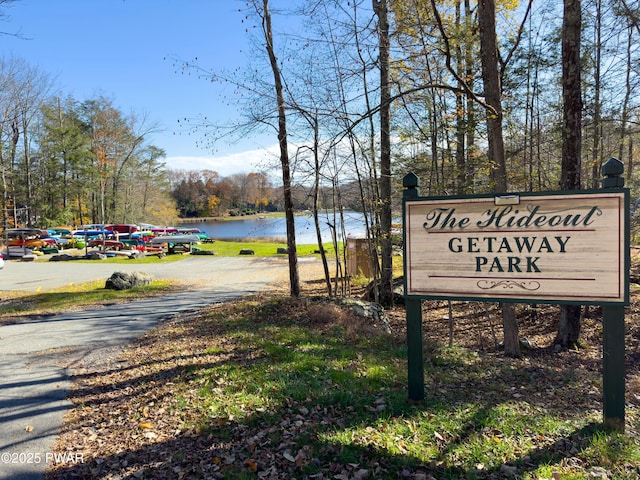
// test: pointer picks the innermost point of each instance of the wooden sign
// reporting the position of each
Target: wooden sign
(549, 248)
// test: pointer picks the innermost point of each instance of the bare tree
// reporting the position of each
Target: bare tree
(569, 325)
(380, 8)
(7, 155)
(493, 94)
(265, 15)
(4, 16)
(34, 88)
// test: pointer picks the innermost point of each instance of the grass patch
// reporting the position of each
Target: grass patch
(464, 430)
(304, 389)
(147, 259)
(73, 297)
(261, 247)
(223, 248)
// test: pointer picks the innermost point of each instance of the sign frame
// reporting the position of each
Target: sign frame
(622, 221)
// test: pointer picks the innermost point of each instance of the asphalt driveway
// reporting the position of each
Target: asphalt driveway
(38, 357)
(44, 275)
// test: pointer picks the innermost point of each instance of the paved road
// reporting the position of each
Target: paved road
(37, 357)
(44, 275)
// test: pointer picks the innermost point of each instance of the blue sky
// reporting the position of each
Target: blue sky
(124, 50)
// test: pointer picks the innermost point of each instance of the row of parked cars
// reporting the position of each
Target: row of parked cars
(105, 237)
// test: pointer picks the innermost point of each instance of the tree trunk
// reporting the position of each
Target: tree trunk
(5, 192)
(316, 191)
(571, 96)
(628, 90)
(294, 278)
(569, 325)
(568, 335)
(492, 91)
(386, 292)
(461, 125)
(596, 154)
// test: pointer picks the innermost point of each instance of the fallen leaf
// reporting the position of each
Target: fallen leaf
(251, 464)
(301, 457)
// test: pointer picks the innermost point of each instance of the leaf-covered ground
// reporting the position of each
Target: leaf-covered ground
(279, 389)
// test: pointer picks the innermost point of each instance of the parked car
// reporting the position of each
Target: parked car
(1, 262)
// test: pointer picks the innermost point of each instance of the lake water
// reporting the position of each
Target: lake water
(277, 228)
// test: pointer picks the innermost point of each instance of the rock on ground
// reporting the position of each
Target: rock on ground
(125, 280)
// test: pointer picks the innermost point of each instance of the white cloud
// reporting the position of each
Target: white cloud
(226, 165)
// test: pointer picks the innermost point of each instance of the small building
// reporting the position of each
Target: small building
(359, 256)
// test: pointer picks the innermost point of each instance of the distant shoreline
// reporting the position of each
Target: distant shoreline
(228, 218)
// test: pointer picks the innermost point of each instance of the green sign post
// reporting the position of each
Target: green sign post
(544, 247)
(613, 351)
(413, 308)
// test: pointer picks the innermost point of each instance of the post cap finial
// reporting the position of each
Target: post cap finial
(612, 167)
(410, 180)
(612, 170)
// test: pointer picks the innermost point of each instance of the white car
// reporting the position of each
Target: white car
(1, 261)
